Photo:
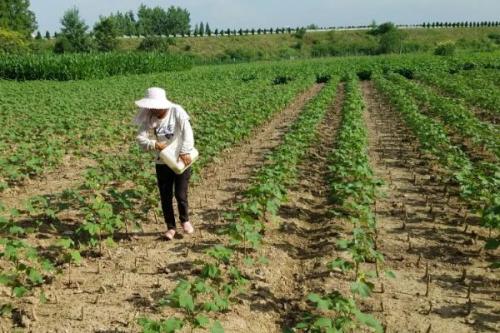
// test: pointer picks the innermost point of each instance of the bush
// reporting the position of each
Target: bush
(12, 42)
(445, 49)
(300, 33)
(495, 37)
(238, 55)
(158, 44)
(391, 41)
(63, 45)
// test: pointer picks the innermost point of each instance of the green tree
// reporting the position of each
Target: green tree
(392, 41)
(201, 29)
(73, 36)
(207, 30)
(47, 35)
(178, 20)
(106, 34)
(16, 16)
(383, 28)
(38, 35)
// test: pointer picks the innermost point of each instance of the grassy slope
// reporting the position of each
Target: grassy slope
(287, 46)
(274, 44)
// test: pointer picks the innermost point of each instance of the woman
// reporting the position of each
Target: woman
(168, 122)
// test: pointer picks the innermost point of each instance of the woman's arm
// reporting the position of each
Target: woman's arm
(187, 137)
(143, 138)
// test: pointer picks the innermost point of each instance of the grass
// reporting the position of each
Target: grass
(286, 46)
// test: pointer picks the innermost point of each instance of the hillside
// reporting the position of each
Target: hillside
(318, 43)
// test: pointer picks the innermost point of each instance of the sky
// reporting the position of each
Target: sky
(236, 14)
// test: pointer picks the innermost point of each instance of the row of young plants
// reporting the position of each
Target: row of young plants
(486, 96)
(105, 207)
(452, 113)
(354, 189)
(222, 277)
(478, 182)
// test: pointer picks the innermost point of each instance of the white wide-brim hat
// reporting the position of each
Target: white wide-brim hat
(156, 98)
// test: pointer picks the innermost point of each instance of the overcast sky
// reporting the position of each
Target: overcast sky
(273, 13)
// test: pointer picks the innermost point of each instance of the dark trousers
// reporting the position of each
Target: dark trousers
(167, 181)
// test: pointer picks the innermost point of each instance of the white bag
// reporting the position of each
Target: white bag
(170, 155)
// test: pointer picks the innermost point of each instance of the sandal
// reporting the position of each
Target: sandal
(188, 227)
(170, 234)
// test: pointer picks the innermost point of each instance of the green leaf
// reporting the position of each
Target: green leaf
(390, 274)
(186, 302)
(361, 288)
(492, 244)
(201, 321)
(35, 276)
(217, 328)
(171, 325)
(323, 322)
(75, 257)
(369, 321)
(20, 291)
(314, 298)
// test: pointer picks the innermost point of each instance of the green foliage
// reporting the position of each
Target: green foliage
(106, 34)
(78, 66)
(445, 49)
(12, 42)
(391, 41)
(73, 37)
(158, 44)
(16, 16)
(478, 181)
(157, 21)
(383, 28)
(335, 313)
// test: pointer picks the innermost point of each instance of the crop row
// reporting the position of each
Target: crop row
(486, 96)
(453, 114)
(354, 189)
(478, 182)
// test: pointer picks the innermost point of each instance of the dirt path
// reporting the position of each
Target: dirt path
(415, 220)
(65, 176)
(296, 244)
(109, 293)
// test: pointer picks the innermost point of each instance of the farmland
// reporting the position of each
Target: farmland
(344, 194)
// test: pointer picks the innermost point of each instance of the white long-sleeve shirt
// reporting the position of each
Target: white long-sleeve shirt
(175, 125)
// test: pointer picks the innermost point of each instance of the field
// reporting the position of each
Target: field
(351, 194)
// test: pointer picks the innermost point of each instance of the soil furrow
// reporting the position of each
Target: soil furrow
(421, 231)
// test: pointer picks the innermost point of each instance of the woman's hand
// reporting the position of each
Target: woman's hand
(160, 145)
(186, 159)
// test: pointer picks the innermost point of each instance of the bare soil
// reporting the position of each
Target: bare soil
(67, 175)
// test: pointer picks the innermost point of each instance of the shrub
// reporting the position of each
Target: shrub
(300, 33)
(158, 44)
(445, 49)
(12, 42)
